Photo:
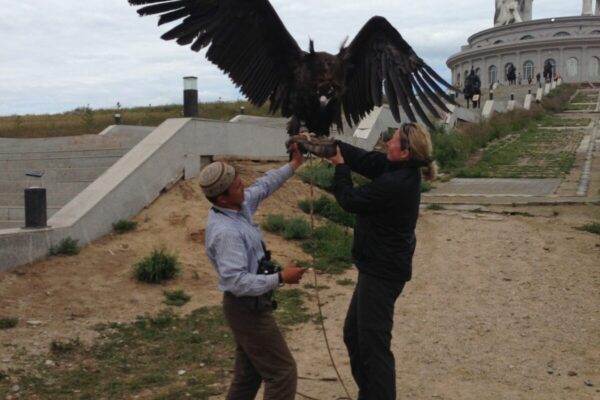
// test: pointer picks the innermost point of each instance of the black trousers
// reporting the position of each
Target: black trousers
(368, 337)
(261, 353)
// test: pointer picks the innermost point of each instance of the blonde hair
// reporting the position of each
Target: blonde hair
(421, 148)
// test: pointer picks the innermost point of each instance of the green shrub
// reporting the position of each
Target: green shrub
(274, 223)
(68, 247)
(176, 297)
(320, 174)
(333, 248)
(594, 227)
(330, 209)
(435, 207)
(64, 346)
(296, 229)
(8, 322)
(157, 267)
(123, 225)
(289, 228)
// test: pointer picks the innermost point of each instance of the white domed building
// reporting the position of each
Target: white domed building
(570, 44)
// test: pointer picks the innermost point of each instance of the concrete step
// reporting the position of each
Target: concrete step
(17, 213)
(51, 187)
(123, 136)
(11, 224)
(54, 175)
(7, 154)
(54, 197)
(75, 162)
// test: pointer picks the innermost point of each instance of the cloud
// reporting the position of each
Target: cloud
(57, 56)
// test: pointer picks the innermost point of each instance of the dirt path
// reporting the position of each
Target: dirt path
(499, 307)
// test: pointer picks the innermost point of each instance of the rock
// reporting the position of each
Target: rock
(588, 383)
(34, 323)
(572, 373)
(50, 363)
(181, 372)
(15, 388)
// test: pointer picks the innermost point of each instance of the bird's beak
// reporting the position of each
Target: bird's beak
(324, 100)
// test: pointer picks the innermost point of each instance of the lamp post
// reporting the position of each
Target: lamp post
(190, 96)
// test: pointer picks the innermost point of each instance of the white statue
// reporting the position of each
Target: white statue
(507, 12)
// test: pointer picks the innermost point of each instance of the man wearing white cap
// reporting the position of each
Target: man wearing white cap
(236, 248)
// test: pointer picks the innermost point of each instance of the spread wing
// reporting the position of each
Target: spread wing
(379, 56)
(245, 38)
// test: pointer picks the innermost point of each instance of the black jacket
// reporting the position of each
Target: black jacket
(386, 211)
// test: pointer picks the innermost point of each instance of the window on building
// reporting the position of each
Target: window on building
(498, 42)
(492, 74)
(458, 82)
(572, 67)
(563, 33)
(527, 37)
(596, 32)
(594, 68)
(528, 70)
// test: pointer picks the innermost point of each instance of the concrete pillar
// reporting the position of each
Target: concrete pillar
(547, 88)
(528, 100)
(539, 94)
(190, 96)
(35, 207)
(553, 85)
(587, 7)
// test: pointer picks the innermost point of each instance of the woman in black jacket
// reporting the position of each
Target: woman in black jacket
(386, 211)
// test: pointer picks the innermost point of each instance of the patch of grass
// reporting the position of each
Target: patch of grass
(59, 347)
(8, 322)
(290, 307)
(289, 228)
(330, 209)
(66, 247)
(333, 249)
(345, 282)
(142, 358)
(594, 227)
(553, 121)
(556, 101)
(157, 267)
(580, 107)
(176, 297)
(322, 173)
(123, 225)
(531, 153)
(312, 286)
(133, 359)
(435, 207)
(87, 120)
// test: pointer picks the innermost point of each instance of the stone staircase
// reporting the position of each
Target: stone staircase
(63, 165)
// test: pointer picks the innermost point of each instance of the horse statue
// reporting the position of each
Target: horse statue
(472, 88)
(548, 71)
(511, 75)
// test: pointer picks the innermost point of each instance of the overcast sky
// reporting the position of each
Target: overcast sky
(59, 55)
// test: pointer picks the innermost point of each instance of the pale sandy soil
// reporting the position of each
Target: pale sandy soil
(500, 307)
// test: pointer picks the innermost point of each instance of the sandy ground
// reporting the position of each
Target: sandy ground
(500, 307)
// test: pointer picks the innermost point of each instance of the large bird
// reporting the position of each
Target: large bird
(247, 40)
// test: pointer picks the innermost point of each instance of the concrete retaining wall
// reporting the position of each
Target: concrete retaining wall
(173, 150)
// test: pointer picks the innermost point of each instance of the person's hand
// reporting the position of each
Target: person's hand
(292, 273)
(338, 158)
(297, 159)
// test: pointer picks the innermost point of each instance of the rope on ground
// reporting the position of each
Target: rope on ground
(319, 305)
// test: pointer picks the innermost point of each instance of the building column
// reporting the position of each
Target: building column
(587, 7)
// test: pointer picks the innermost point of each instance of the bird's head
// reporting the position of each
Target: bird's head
(325, 92)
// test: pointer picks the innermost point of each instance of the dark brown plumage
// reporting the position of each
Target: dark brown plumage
(247, 40)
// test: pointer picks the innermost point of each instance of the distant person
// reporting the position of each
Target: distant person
(236, 249)
(519, 79)
(538, 78)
